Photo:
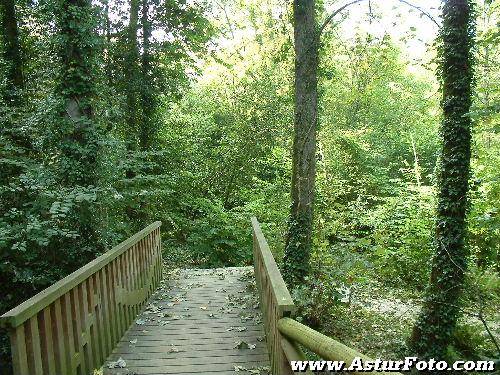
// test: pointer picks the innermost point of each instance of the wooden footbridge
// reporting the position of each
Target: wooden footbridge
(121, 314)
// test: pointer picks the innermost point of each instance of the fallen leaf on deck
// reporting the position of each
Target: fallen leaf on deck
(173, 349)
(118, 364)
(243, 345)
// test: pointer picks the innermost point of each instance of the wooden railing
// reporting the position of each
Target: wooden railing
(71, 327)
(275, 300)
(284, 335)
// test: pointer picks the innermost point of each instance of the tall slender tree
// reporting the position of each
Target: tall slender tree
(14, 79)
(435, 326)
(148, 104)
(76, 88)
(79, 135)
(11, 50)
(299, 237)
(133, 77)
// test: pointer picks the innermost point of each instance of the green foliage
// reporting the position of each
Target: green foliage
(468, 341)
(402, 236)
(377, 157)
(210, 146)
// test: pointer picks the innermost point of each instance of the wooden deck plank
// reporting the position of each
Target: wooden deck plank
(197, 322)
(138, 352)
(208, 344)
(226, 368)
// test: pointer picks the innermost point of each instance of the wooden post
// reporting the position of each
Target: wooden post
(324, 346)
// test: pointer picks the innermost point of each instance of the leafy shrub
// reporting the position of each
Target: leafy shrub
(403, 233)
(334, 275)
(217, 237)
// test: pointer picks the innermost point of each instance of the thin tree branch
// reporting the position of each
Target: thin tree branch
(481, 318)
(331, 16)
(421, 11)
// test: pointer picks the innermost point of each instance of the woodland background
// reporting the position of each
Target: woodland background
(192, 121)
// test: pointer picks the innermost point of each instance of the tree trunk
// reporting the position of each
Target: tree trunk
(14, 81)
(299, 237)
(107, 33)
(434, 329)
(76, 87)
(77, 53)
(77, 133)
(11, 50)
(133, 79)
(147, 97)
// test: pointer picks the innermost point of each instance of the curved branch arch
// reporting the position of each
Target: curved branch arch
(332, 15)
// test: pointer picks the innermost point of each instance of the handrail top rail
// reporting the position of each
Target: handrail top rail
(283, 299)
(21, 313)
(324, 346)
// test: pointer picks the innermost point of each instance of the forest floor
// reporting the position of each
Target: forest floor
(379, 319)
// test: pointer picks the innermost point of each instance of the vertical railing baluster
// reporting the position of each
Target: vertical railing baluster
(35, 350)
(135, 274)
(113, 301)
(143, 270)
(96, 307)
(47, 342)
(72, 357)
(101, 281)
(80, 338)
(19, 350)
(88, 323)
(151, 269)
(129, 281)
(121, 310)
(58, 333)
(159, 261)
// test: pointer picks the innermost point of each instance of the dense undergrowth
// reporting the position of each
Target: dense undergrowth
(221, 154)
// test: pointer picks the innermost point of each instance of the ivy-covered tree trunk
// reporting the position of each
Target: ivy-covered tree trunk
(78, 133)
(434, 328)
(299, 237)
(76, 88)
(11, 50)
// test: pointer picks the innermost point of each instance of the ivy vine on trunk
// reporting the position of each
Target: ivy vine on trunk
(434, 329)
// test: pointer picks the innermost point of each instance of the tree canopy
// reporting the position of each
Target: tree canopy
(362, 137)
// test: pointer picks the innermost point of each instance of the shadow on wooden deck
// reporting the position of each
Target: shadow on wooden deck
(197, 322)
